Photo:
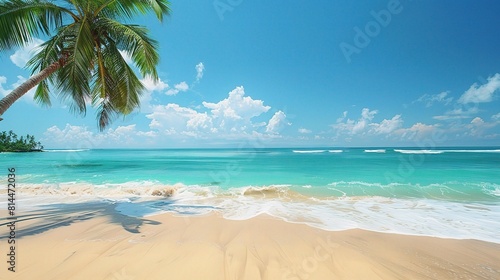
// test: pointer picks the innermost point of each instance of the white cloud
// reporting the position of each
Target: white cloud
(200, 68)
(70, 137)
(366, 126)
(496, 117)
(277, 123)
(230, 118)
(429, 100)
(477, 121)
(417, 131)
(151, 85)
(23, 55)
(237, 106)
(478, 127)
(355, 127)
(174, 118)
(180, 87)
(387, 126)
(366, 117)
(458, 113)
(483, 93)
(304, 131)
(81, 137)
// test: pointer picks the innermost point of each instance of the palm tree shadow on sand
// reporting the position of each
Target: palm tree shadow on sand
(53, 216)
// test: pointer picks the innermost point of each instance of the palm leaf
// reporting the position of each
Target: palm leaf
(134, 39)
(75, 76)
(131, 8)
(21, 21)
(86, 48)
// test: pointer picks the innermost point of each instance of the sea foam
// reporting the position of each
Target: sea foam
(410, 215)
(418, 151)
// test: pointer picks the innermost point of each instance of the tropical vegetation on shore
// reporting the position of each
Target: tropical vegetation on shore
(81, 59)
(9, 142)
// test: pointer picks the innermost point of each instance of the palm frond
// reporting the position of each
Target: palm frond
(85, 50)
(128, 86)
(52, 50)
(42, 94)
(129, 8)
(21, 21)
(134, 39)
(115, 80)
(105, 113)
(75, 76)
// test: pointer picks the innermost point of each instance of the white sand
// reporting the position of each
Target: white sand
(95, 242)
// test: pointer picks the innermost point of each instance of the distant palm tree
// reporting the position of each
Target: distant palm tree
(82, 60)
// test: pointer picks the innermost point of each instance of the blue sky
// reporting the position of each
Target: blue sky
(240, 73)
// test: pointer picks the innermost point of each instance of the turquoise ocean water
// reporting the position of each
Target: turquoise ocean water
(447, 192)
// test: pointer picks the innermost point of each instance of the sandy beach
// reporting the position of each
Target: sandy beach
(93, 241)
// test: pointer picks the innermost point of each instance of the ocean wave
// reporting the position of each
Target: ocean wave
(316, 151)
(265, 191)
(66, 151)
(472, 151)
(308, 151)
(380, 151)
(405, 213)
(419, 151)
(446, 191)
(446, 151)
(137, 189)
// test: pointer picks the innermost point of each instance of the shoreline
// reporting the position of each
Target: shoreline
(94, 241)
(415, 217)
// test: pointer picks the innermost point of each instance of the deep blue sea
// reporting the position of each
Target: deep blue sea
(446, 192)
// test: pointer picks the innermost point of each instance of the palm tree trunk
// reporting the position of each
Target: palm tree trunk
(21, 90)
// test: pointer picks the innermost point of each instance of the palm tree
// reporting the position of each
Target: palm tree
(82, 60)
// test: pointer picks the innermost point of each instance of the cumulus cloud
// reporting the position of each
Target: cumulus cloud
(23, 55)
(277, 123)
(481, 94)
(151, 85)
(478, 126)
(81, 137)
(200, 68)
(430, 100)
(344, 125)
(417, 131)
(71, 137)
(230, 118)
(365, 125)
(180, 87)
(172, 119)
(387, 126)
(237, 106)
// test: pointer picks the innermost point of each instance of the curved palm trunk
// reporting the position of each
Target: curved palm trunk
(21, 90)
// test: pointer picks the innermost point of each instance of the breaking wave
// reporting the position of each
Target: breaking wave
(431, 210)
(379, 151)
(67, 151)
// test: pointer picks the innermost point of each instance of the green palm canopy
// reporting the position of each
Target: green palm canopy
(82, 59)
